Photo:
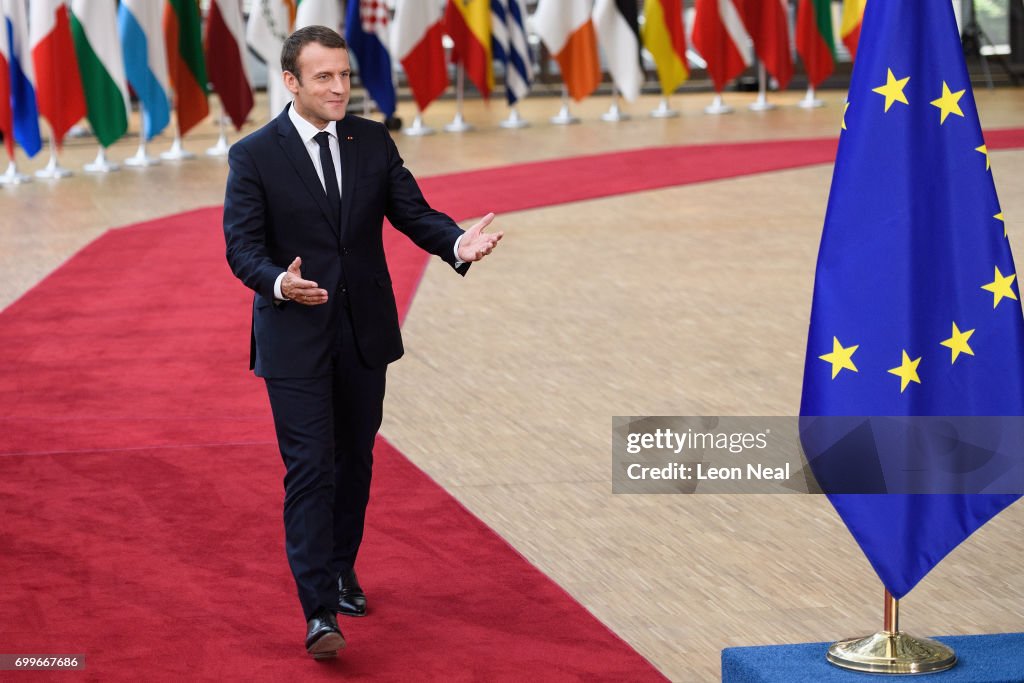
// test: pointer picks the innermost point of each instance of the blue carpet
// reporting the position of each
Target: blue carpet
(995, 658)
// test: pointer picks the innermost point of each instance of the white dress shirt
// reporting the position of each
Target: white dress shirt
(307, 133)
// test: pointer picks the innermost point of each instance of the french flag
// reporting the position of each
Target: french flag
(366, 30)
(22, 79)
(140, 24)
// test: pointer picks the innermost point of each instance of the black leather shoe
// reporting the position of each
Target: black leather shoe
(323, 637)
(351, 598)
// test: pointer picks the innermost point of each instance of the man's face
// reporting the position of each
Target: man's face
(322, 93)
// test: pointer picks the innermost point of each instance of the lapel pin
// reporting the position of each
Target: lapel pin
(349, 137)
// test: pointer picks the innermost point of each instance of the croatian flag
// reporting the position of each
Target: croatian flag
(140, 23)
(23, 89)
(366, 30)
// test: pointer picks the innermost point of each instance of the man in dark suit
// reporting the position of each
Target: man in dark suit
(325, 323)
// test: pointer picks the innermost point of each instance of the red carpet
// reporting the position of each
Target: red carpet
(141, 484)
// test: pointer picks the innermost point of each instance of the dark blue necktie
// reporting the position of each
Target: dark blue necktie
(330, 175)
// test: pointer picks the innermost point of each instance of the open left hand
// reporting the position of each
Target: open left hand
(476, 244)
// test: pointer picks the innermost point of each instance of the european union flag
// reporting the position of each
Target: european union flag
(916, 309)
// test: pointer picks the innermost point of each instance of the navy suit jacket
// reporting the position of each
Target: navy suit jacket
(276, 209)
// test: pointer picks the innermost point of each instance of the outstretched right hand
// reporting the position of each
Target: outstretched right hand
(305, 292)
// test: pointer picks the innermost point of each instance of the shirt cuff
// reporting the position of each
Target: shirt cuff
(457, 243)
(278, 294)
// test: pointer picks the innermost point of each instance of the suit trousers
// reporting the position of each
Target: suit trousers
(326, 428)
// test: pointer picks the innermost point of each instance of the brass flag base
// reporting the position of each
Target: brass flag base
(891, 651)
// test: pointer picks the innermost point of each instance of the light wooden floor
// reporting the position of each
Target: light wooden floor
(683, 301)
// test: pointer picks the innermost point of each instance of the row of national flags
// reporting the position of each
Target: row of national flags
(63, 60)
(67, 60)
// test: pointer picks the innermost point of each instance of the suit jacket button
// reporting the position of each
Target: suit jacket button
(345, 251)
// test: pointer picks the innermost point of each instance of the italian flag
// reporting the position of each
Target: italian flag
(184, 33)
(94, 28)
(814, 40)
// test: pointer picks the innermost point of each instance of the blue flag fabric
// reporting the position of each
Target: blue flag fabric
(366, 31)
(915, 307)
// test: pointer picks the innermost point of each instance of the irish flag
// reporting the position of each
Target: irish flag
(814, 39)
(58, 85)
(566, 28)
(94, 28)
(183, 29)
(468, 23)
(665, 38)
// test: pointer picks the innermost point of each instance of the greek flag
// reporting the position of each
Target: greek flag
(508, 37)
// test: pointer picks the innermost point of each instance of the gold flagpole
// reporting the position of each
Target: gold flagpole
(891, 651)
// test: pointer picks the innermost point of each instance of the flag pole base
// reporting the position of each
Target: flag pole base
(664, 111)
(514, 120)
(221, 148)
(53, 171)
(810, 101)
(614, 114)
(177, 152)
(417, 129)
(12, 177)
(564, 117)
(141, 159)
(718, 107)
(891, 653)
(100, 164)
(761, 104)
(458, 125)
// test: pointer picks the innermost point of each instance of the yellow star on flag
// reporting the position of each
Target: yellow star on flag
(845, 107)
(948, 103)
(1001, 287)
(984, 150)
(958, 343)
(840, 358)
(999, 217)
(893, 89)
(907, 372)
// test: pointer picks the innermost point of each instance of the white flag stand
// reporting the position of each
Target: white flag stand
(100, 163)
(514, 120)
(458, 124)
(718, 107)
(614, 113)
(564, 117)
(12, 177)
(664, 111)
(762, 103)
(810, 101)
(221, 148)
(141, 158)
(53, 169)
(417, 129)
(177, 152)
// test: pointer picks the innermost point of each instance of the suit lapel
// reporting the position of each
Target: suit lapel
(297, 154)
(347, 143)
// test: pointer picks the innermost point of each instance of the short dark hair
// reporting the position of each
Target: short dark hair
(294, 43)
